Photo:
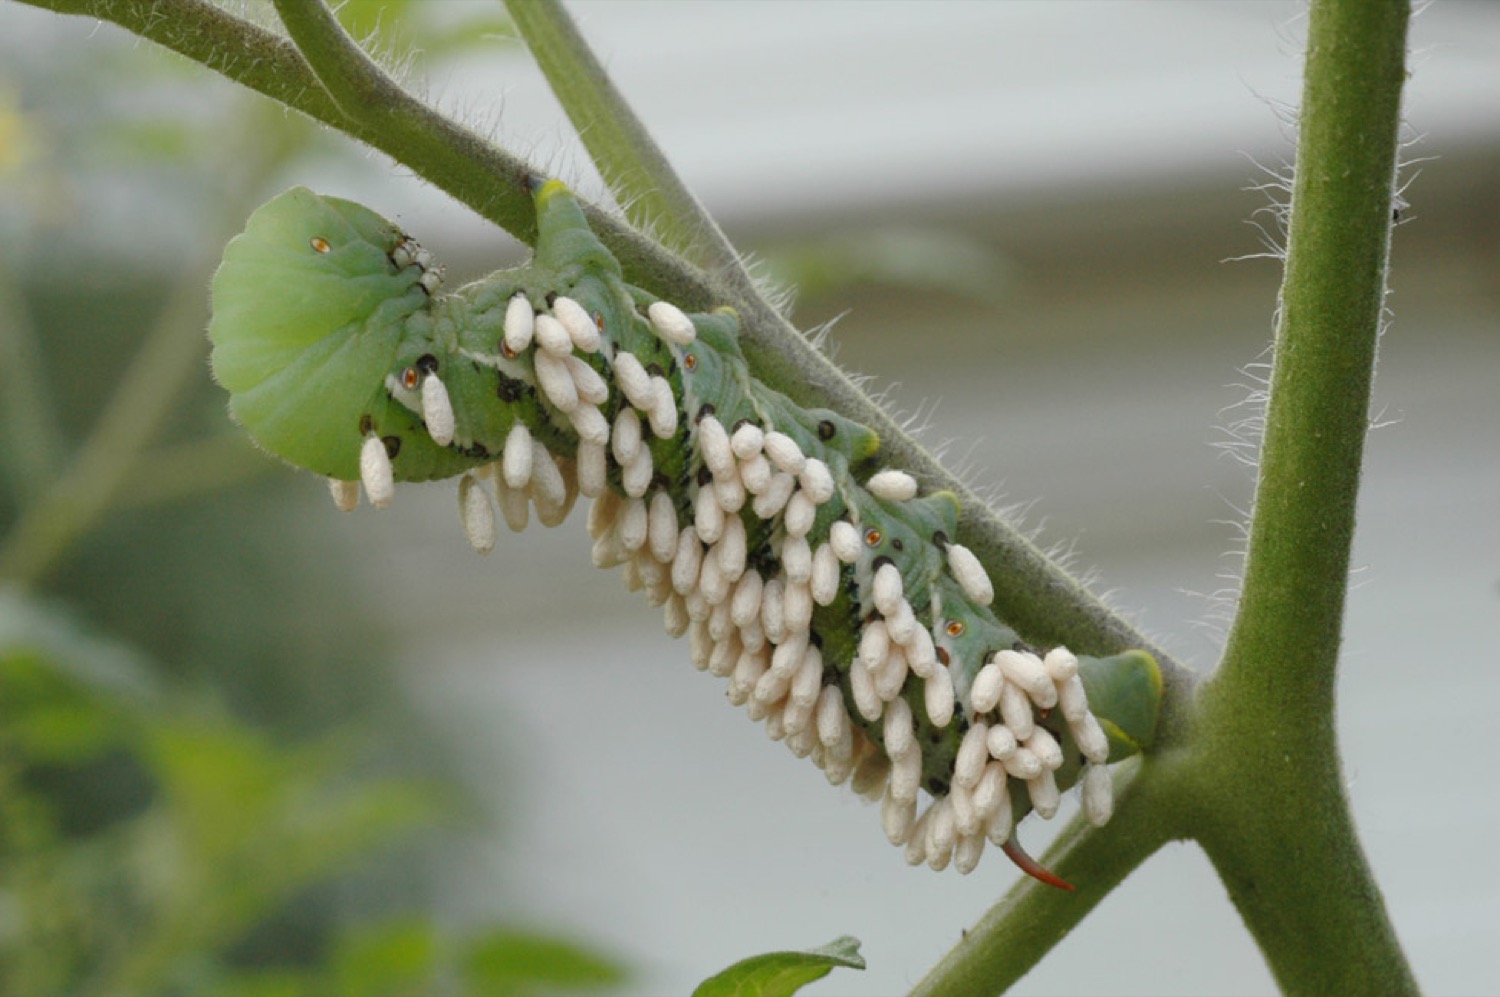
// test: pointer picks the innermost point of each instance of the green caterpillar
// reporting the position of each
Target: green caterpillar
(827, 591)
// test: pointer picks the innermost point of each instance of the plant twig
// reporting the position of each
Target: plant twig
(140, 403)
(33, 435)
(374, 108)
(644, 183)
(1014, 935)
(1271, 811)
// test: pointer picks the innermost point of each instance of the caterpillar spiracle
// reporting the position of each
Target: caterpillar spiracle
(827, 591)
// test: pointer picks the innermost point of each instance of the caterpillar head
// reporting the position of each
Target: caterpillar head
(309, 308)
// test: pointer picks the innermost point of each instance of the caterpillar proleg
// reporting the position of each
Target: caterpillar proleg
(828, 591)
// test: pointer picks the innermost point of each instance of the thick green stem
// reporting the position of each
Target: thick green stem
(373, 107)
(1270, 808)
(1251, 770)
(653, 197)
(1014, 935)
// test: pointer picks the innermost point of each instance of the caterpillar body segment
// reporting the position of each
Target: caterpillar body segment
(307, 294)
(826, 590)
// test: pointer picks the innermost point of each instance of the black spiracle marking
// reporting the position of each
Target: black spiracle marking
(827, 430)
(510, 389)
(392, 446)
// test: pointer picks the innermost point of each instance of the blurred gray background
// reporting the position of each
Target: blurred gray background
(1027, 219)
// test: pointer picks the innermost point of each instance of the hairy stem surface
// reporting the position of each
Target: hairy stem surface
(1270, 808)
(649, 190)
(1028, 922)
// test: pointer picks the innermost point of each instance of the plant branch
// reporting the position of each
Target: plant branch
(1302, 529)
(375, 109)
(643, 181)
(1271, 811)
(33, 434)
(1014, 935)
(140, 403)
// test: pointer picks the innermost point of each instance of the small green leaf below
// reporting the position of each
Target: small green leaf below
(515, 963)
(780, 974)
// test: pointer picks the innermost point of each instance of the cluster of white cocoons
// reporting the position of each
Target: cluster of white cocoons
(755, 630)
(1004, 742)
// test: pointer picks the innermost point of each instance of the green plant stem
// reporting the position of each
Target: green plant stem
(374, 108)
(643, 181)
(140, 404)
(1037, 596)
(33, 435)
(1251, 769)
(1013, 936)
(1270, 808)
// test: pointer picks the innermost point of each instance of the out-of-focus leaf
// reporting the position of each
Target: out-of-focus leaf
(390, 24)
(485, 31)
(69, 650)
(272, 983)
(152, 141)
(369, 19)
(780, 974)
(395, 958)
(519, 963)
(58, 733)
(19, 141)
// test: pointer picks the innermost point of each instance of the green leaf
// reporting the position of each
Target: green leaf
(779, 974)
(395, 957)
(505, 963)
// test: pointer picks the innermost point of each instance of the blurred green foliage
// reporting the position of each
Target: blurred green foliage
(392, 24)
(207, 829)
